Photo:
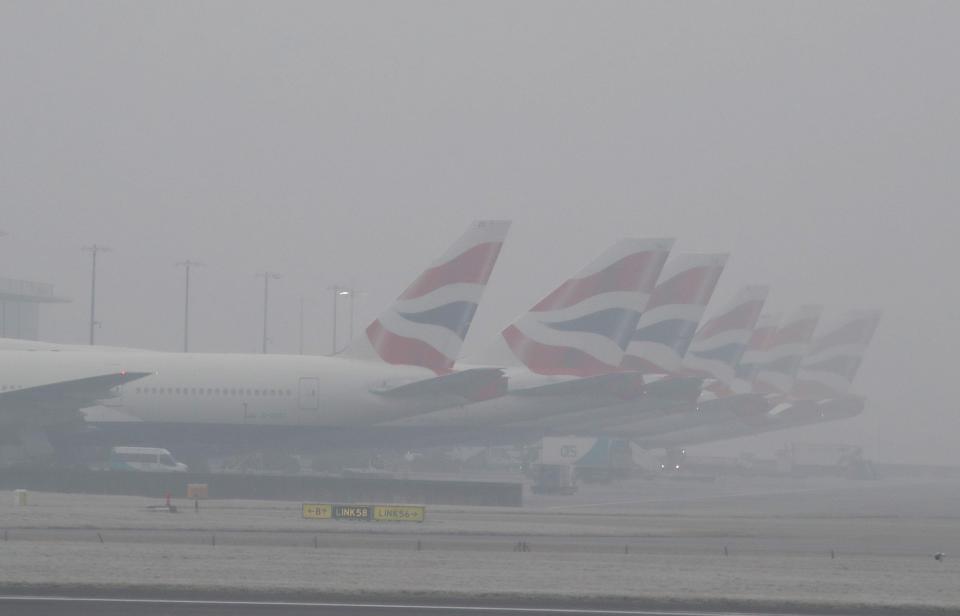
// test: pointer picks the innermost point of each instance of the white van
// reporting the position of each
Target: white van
(147, 459)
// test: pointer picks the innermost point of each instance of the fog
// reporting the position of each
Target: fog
(349, 143)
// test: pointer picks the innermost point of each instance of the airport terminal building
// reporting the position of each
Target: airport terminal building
(20, 307)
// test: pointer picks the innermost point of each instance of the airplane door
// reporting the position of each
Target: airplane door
(309, 394)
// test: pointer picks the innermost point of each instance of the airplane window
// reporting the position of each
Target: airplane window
(209, 391)
(177, 390)
(273, 392)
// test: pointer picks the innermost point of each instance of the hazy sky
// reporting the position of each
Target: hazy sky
(351, 142)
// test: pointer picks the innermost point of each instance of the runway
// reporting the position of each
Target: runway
(734, 544)
(773, 541)
(108, 606)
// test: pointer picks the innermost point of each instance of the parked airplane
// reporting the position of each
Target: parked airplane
(656, 347)
(820, 393)
(781, 351)
(564, 354)
(404, 367)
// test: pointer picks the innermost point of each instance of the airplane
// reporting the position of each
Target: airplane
(404, 366)
(819, 391)
(656, 347)
(778, 357)
(721, 342)
(564, 354)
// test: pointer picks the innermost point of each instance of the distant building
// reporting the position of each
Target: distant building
(20, 307)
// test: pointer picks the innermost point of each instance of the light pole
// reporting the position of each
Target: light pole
(3, 306)
(333, 336)
(301, 324)
(267, 276)
(186, 265)
(339, 292)
(94, 250)
(353, 294)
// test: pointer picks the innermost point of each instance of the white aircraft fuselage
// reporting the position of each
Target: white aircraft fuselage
(233, 389)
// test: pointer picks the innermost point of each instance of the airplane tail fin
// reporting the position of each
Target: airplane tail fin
(756, 352)
(427, 324)
(582, 328)
(785, 350)
(835, 355)
(666, 328)
(720, 343)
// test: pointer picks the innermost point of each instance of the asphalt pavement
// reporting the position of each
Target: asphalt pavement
(111, 606)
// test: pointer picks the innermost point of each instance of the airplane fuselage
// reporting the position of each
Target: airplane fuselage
(234, 389)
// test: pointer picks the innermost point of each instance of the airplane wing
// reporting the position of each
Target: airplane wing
(473, 384)
(61, 396)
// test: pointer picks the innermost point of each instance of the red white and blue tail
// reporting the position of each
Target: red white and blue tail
(582, 328)
(785, 352)
(720, 343)
(756, 353)
(830, 366)
(429, 321)
(667, 326)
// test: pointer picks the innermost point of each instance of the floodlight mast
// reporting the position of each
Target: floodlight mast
(94, 250)
(267, 276)
(186, 265)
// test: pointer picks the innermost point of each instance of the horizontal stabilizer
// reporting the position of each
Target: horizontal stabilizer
(626, 385)
(681, 389)
(473, 385)
(742, 405)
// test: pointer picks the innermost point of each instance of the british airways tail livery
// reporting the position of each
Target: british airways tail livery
(427, 324)
(720, 343)
(757, 350)
(564, 354)
(785, 350)
(831, 364)
(582, 328)
(666, 327)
